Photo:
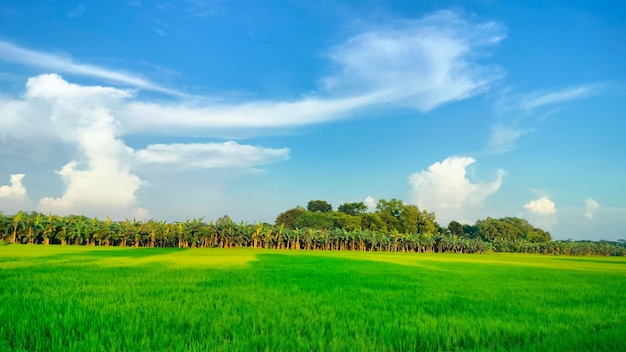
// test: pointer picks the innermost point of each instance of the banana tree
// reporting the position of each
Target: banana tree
(17, 222)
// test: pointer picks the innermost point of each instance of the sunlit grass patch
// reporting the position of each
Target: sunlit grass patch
(25, 256)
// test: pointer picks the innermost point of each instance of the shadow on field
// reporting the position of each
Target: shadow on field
(99, 254)
(314, 273)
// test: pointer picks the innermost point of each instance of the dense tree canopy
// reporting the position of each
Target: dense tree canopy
(353, 209)
(320, 206)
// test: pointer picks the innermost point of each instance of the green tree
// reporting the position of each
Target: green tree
(320, 206)
(456, 228)
(345, 221)
(389, 212)
(353, 209)
(372, 221)
(315, 220)
(287, 218)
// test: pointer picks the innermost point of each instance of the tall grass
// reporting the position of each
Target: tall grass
(122, 299)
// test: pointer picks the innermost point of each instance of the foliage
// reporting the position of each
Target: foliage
(315, 220)
(510, 228)
(303, 229)
(320, 206)
(353, 209)
(287, 218)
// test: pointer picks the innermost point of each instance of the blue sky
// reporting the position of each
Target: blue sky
(176, 109)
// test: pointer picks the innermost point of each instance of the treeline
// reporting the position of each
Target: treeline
(377, 232)
(393, 216)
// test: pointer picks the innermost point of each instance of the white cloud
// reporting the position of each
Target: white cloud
(211, 155)
(420, 63)
(544, 98)
(445, 189)
(541, 206)
(15, 190)
(64, 64)
(513, 111)
(416, 63)
(101, 183)
(503, 138)
(100, 178)
(370, 202)
(14, 197)
(221, 118)
(590, 207)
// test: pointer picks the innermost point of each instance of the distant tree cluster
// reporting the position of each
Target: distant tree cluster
(395, 216)
(393, 226)
(390, 216)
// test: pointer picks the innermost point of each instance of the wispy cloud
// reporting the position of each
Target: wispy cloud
(417, 63)
(210, 155)
(521, 114)
(420, 64)
(541, 99)
(64, 64)
(503, 138)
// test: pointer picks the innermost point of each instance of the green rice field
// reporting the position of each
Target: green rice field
(75, 298)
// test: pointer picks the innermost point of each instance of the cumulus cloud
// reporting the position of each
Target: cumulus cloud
(14, 197)
(100, 180)
(445, 189)
(15, 190)
(211, 155)
(590, 208)
(370, 202)
(541, 206)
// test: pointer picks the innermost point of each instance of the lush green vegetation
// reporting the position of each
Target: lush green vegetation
(393, 227)
(78, 298)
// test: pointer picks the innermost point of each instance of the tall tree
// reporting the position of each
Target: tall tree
(455, 228)
(353, 209)
(287, 218)
(320, 206)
